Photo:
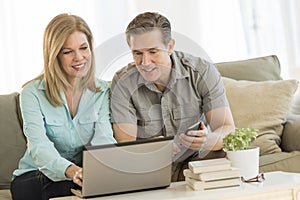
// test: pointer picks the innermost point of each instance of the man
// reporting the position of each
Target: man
(164, 92)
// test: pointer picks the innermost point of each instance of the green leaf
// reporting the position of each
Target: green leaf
(240, 139)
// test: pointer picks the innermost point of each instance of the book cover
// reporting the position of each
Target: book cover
(207, 185)
(214, 175)
(201, 166)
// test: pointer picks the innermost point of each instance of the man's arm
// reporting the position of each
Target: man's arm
(125, 132)
(221, 123)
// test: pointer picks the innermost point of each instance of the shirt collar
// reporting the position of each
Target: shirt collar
(178, 71)
(41, 85)
(86, 92)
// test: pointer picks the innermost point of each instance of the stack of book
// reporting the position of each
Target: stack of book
(211, 174)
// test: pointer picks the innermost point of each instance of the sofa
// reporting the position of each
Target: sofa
(247, 83)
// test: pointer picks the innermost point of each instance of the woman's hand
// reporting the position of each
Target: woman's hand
(75, 173)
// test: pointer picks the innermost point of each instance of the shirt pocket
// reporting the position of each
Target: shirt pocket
(149, 124)
(54, 127)
(184, 116)
(86, 127)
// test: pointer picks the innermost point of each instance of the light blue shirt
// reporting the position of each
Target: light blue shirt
(54, 139)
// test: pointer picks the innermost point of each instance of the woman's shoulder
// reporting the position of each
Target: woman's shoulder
(34, 85)
(102, 84)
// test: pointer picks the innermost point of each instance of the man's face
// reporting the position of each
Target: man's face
(151, 56)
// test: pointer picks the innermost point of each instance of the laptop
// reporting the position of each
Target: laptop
(126, 167)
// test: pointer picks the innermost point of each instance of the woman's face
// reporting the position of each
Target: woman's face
(75, 57)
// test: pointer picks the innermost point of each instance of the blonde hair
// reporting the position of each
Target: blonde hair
(56, 33)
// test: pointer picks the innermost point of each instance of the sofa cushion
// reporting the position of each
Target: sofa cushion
(291, 134)
(255, 69)
(295, 107)
(12, 140)
(261, 105)
(5, 195)
(283, 161)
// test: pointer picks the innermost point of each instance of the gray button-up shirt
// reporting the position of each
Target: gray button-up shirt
(195, 87)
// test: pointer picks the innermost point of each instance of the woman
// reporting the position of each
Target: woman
(63, 109)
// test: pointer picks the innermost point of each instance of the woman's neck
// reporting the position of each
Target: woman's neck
(73, 96)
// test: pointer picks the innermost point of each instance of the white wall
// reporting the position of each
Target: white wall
(214, 25)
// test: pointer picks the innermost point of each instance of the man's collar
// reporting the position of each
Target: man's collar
(177, 69)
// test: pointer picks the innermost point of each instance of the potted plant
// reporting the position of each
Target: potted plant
(239, 151)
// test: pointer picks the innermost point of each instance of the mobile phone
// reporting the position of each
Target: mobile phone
(193, 127)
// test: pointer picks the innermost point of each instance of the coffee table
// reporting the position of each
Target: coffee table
(277, 185)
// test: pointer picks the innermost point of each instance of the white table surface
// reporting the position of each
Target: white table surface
(277, 185)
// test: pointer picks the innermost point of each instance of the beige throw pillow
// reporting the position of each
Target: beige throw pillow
(255, 69)
(261, 105)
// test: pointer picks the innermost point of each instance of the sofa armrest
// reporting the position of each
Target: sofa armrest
(12, 139)
(291, 134)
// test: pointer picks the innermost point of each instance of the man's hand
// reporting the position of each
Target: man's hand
(176, 149)
(194, 139)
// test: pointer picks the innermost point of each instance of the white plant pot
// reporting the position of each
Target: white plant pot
(246, 160)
